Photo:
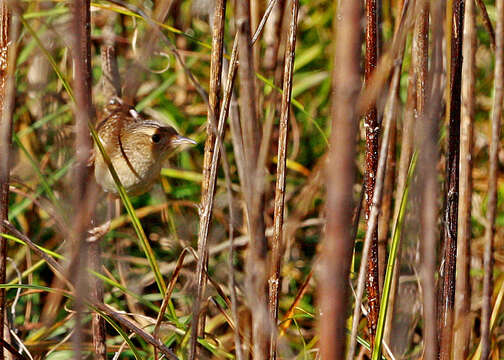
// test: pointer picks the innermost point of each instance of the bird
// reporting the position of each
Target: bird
(136, 146)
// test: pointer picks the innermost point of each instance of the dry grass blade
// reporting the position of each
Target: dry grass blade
(290, 313)
(492, 182)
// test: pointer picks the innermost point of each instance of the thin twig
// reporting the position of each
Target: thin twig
(492, 182)
(255, 266)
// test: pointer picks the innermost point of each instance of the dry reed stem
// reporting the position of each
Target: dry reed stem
(427, 129)
(337, 243)
(372, 134)
(207, 191)
(462, 331)
(207, 209)
(388, 120)
(446, 295)
(82, 201)
(255, 266)
(492, 182)
(279, 209)
(6, 110)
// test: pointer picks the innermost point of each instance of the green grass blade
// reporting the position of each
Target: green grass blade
(47, 251)
(391, 263)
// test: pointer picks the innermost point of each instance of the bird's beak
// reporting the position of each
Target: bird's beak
(181, 140)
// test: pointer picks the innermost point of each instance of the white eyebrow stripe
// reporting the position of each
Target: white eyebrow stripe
(134, 114)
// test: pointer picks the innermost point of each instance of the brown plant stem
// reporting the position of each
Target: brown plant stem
(81, 52)
(255, 265)
(8, 31)
(337, 243)
(207, 191)
(492, 181)
(278, 221)
(450, 215)
(372, 134)
(462, 332)
(427, 186)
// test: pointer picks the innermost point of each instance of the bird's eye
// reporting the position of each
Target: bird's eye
(156, 138)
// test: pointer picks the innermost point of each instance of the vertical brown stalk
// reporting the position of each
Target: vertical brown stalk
(462, 332)
(337, 244)
(255, 266)
(492, 181)
(7, 91)
(372, 132)
(82, 84)
(450, 214)
(207, 191)
(428, 132)
(281, 174)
